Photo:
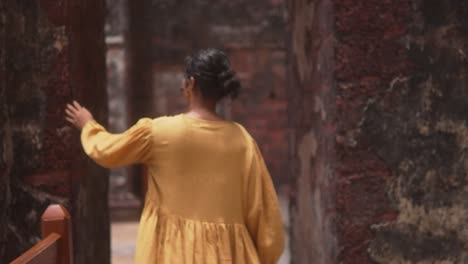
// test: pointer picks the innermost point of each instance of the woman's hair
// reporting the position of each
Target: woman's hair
(213, 75)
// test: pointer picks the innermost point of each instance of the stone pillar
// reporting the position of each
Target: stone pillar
(123, 201)
(88, 82)
(5, 139)
(312, 115)
(140, 93)
(50, 53)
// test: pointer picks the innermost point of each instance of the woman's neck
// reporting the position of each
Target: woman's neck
(205, 110)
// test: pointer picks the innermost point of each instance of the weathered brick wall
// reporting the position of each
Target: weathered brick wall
(397, 113)
(416, 125)
(49, 55)
(253, 33)
(370, 58)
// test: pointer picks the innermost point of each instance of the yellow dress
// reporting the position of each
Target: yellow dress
(210, 198)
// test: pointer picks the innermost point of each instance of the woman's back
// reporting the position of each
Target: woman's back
(210, 198)
(199, 167)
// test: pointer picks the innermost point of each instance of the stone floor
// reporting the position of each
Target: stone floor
(124, 237)
(123, 242)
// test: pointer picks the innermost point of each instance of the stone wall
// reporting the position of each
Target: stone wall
(417, 126)
(50, 55)
(391, 188)
(371, 58)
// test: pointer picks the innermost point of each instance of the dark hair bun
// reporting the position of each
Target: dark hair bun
(213, 75)
(229, 83)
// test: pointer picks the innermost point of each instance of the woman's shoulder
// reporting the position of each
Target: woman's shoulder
(245, 133)
(165, 119)
(158, 121)
(241, 128)
(172, 121)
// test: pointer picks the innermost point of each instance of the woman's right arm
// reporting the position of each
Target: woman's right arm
(264, 220)
(118, 150)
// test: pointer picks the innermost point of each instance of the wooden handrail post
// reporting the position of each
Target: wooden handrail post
(56, 219)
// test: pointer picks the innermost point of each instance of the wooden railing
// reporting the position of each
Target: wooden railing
(56, 245)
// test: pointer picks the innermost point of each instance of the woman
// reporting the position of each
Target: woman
(210, 198)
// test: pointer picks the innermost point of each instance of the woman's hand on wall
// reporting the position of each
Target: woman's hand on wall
(77, 115)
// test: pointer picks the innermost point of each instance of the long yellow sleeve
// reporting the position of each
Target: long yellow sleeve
(264, 220)
(118, 150)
